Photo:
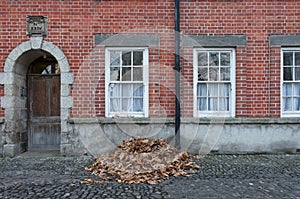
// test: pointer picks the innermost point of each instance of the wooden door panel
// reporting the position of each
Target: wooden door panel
(44, 137)
(54, 101)
(44, 112)
(38, 98)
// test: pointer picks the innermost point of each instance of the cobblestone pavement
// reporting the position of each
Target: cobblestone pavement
(220, 176)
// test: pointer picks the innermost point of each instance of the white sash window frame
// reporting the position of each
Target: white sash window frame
(112, 85)
(290, 84)
(217, 112)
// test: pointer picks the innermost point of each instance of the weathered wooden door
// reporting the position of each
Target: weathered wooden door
(44, 112)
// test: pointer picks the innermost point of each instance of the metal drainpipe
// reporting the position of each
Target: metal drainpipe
(177, 73)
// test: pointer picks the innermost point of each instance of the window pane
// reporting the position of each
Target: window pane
(213, 104)
(202, 90)
(214, 59)
(115, 74)
(138, 90)
(213, 90)
(224, 104)
(47, 70)
(115, 105)
(287, 90)
(138, 105)
(126, 58)
(137, 74)
(114, 58)
(202, 74)
(287, 104)
(296, 90)
(137, 58)
(225, 74)
(126, 74)
(296, 105)
(288, 58)
(297, 58)
(126, 105)
(287, 73)
(224, 90)
(297, 73)
(214, 74)
(126, 90)
(202, 59)
(202, 97)
(225, 59)
(115, 94)
(202, 104)
(115, 90)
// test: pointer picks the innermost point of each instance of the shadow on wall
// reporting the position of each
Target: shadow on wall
(1, 137)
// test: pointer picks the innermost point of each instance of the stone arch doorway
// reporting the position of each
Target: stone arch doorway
(43, 104)
(17, 69)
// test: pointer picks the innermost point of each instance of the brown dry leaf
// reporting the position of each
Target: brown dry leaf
(152, 182)
(141, 160)
(88, 181)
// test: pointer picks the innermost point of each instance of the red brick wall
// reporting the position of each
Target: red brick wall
(73, 23)
(257, 65)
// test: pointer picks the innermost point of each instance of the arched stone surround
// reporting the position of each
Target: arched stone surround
(14, 101)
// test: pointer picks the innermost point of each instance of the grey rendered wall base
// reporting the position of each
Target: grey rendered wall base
(100, 135)
(199, 136)
(248, 135)
(244, 136)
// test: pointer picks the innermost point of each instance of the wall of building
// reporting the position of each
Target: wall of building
(73, 25)
(257, 65)
(199, 136)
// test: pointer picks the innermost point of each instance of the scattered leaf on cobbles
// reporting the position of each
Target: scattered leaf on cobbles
(142, 160)
(89, 181)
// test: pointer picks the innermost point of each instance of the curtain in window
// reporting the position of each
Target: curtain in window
(291, 97)
(126, 97)
(297, 97)
(138, 91)
(202, 97)
(287, 93)
(213, 97)
(224, 90)
(115, 101)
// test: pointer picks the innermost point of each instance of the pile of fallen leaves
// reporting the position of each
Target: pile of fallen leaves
(142, 160)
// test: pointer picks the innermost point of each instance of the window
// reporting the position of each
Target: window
(214, 86)
(290, 61)
(46, 65)
(126, 82)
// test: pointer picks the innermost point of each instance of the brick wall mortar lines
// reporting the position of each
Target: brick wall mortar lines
(72, 25)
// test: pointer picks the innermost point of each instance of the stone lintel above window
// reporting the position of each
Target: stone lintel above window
(285, 40)
(215, 41)
(126, 40)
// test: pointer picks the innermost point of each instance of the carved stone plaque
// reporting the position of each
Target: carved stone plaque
(36, 25)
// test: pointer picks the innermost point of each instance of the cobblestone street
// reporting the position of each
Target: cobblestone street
(220, 176)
